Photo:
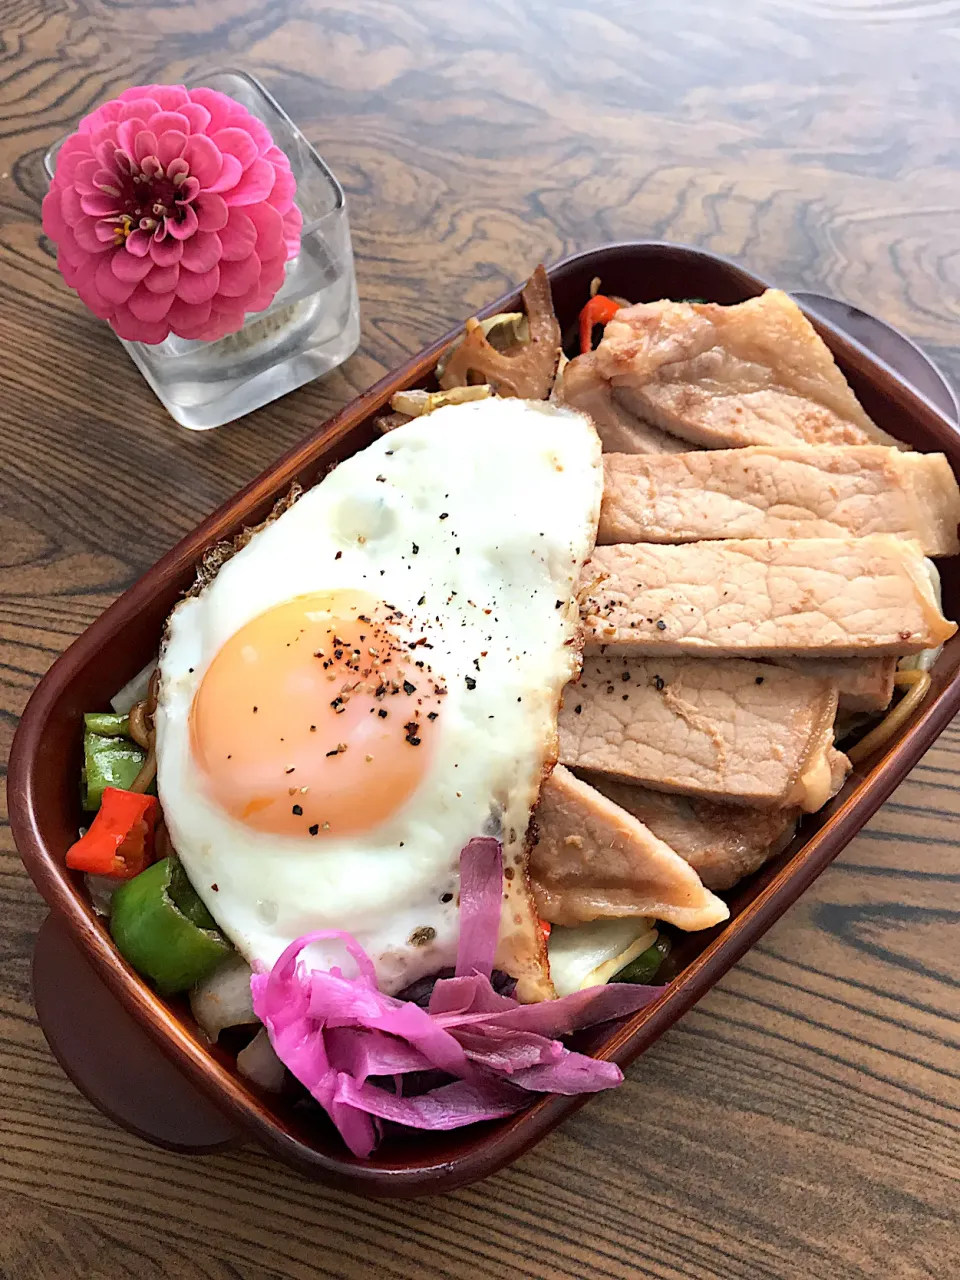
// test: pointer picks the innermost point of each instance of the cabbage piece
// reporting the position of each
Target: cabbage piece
(590, 954)
(344, 1039)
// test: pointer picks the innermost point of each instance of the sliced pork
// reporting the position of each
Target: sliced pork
(594, 860)
(746, 733)
(582, 387)
(723, 843)
(863, 684)
(724, 377)
(761, 597)
(827, 492)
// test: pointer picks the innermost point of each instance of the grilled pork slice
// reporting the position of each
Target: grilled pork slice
(722, 842)
(723, 377)
(742, 732)
(808, 597)
(863, 684)
(594, 860)
(827, 492)
(582, 387)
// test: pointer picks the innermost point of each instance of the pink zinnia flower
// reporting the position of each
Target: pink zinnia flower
(173, 212)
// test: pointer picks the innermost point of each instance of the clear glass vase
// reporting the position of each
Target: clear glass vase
(312, 325)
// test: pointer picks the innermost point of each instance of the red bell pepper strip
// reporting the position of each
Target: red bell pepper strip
(120, 840)
(545, 928)
(597, 311)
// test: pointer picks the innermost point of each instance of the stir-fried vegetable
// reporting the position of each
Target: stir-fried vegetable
(644, 967)
(599, 310)
(108, 761)
(162, 928)
(108, 724)
(119, 842)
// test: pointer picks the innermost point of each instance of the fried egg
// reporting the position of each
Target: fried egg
(373, 680)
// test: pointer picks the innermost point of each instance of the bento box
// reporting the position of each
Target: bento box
(45, 761)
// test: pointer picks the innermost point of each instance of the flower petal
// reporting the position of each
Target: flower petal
(203, 158)
(255, 185)
(269, 226)
(139, 108)
(170, 145)
(197, 114)
(237, 277)
(188, 314)
(106, 231)
(239, 237)
(144, 144)
(127, 132)
(99, 205)
(166, 251)
(149, 306)
(127, 326)
(139, 243)
(284, 190)
(54, 223)
(259, 133)
(172, 97)
(189, 189)
(292, 229)
(217, 104)
(185, 227)
(202, 251)
(128, 266)
(163, 279)
(110, 286)
(70, 206)
(85, 175)
(230, 174)
(212, 211)
(198, 286)
(86, 233)
(238, 143)
(167, 121)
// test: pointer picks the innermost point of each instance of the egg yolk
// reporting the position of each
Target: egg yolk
(319, 717)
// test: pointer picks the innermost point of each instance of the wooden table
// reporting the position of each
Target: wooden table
(803, 1120)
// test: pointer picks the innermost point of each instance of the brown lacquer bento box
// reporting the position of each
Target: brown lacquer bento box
(45, 764)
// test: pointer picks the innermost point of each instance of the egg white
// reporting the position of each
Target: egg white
(520, 484)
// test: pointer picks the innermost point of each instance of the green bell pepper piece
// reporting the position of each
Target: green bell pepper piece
(107, 723)
(643, 968)
(108, 762)
(163, 929)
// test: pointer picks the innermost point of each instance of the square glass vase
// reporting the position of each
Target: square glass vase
(313, 323)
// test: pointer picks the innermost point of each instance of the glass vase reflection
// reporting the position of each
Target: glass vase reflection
(313, 323)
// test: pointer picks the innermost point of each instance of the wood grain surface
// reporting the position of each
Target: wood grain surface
(803, 1120)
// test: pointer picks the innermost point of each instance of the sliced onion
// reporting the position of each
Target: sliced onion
(590, 954)
(259, 1063)
(223, 1000)
(134, 690)
(101, 890)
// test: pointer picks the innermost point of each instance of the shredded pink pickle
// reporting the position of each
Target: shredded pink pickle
(342, 1037)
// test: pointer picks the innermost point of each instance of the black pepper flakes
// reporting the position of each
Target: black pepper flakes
(382, 714)
(759, 680)
(416, 549)
(409, 688)
(432, 715)
(658, 682)
(624, 675)
(444, 515)
(314, 829)
(298, 811)
(577, 709)
(470, 682)
(661, 625)
(338, 555)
